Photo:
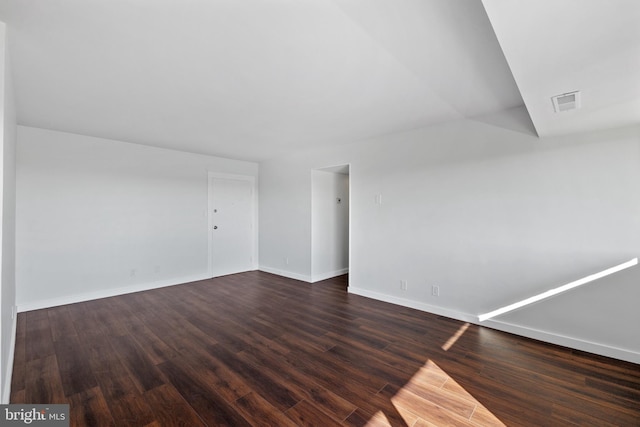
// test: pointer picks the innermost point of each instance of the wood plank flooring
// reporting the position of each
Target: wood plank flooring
(255, 349)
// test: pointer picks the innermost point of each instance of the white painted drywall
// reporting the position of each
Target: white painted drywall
(329, 224)
(8, 217)
(481, 208)
(98, 216)
(285, 244)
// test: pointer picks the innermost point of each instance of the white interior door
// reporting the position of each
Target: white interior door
(231, 230)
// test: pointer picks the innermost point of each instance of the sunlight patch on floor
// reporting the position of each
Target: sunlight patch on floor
(436, 399)
(451, 341)
(377, 420)
(380, 420)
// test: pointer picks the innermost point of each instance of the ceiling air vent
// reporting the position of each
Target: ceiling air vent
(566, 101)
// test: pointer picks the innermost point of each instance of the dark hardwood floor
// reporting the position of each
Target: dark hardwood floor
(258, 349)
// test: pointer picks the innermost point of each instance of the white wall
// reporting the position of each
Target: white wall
(8, 216)
(483, 209)
(97, 217)
(329, 225)
(285, 194)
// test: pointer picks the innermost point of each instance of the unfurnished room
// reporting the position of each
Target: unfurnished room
(403, 213)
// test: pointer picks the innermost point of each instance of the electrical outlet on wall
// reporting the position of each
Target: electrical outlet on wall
(403, 285)
(435, 291)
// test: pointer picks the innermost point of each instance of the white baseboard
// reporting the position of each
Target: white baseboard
(106, 293)
(304, 277)
(329, 275)
(570, 342)
(285, 273)
(575, 343)
(6, 387)
(458, 315)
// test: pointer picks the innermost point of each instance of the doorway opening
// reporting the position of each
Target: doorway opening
(330, 222)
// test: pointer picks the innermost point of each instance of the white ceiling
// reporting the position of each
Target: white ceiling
(559, 46)
(255, 79)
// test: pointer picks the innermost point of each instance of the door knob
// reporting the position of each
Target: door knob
(215, 227)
